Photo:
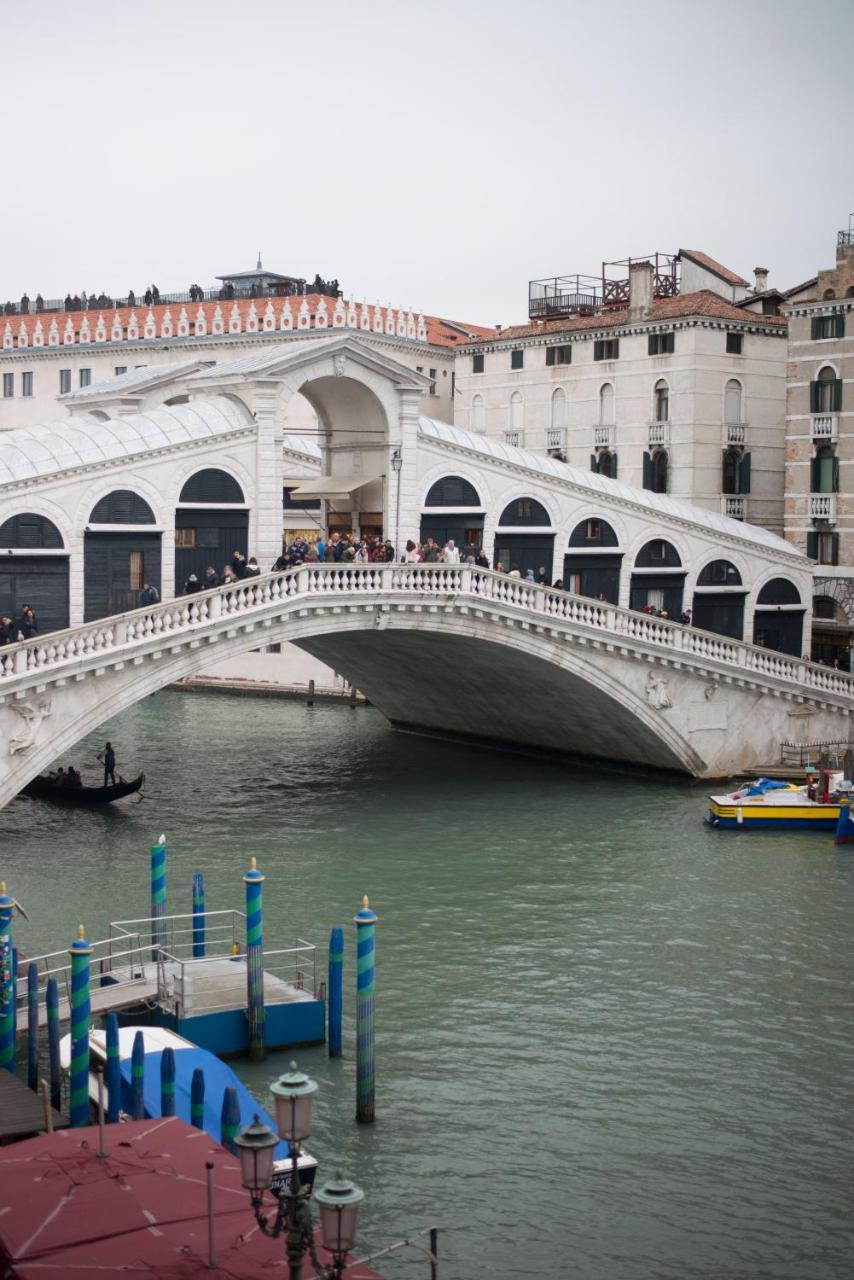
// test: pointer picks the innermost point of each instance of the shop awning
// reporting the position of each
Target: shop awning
(334, 486)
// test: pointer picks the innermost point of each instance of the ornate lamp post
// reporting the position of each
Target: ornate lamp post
(294, 1101)
(396, 466)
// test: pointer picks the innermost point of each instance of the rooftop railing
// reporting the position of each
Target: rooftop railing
(221, 293)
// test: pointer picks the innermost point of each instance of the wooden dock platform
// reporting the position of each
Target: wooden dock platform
(22, 1112)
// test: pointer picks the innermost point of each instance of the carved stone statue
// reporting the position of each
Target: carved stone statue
(656, 692)
(339, 363)
(32, 717)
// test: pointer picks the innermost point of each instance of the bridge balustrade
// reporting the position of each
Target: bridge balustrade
(116, 637)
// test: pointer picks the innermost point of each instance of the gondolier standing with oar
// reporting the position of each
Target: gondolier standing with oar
(109, 758)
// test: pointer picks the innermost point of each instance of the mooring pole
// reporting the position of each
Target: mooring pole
(366, 921)
(7, 982)
(230, 1119)
(52, 1004)
(15, 998)
(33, 1027)
(198, 916)
(197, 1099)
(158, 896)
(167, 1082)
(78, 1106)
(137, 1077)
(114, 1071)
(254, 881)
(335, 991)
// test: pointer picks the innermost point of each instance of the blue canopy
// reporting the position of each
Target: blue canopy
(766, 784)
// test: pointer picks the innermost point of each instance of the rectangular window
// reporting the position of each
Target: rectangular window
(64, 381)
(657, 550)
(594, 530)
(136, 569)
(606, 349)
(734, 343)
(828, 548)
(517, 358)
(660, 344)
(26, 384)
(827, 327)
(477, 362)
(185, 537)
(432, 388)
(523, 508)
(655, 598)
(85, 377)
(419, 368)
(119, 370)
(558, 355)
(8, 385)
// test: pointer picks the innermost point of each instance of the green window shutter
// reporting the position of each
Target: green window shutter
(613, 466)
(837, 395)
(744, 474)
(812, 546)
(594, 463)
(835, 475)
(813, 397)
(839, 325)
(815, 328)
(647, 470)
(815, 475)
(834, 548)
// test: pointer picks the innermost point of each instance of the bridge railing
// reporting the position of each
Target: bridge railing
(115, 637)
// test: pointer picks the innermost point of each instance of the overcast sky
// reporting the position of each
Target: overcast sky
(436, 154)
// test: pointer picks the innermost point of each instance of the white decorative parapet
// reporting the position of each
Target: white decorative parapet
(657, 433)
(556, 438)
(823, 506)
(114, 641)
(603, 435)
(735, 433)
(823, 426)
(514, 438)
(734, 505)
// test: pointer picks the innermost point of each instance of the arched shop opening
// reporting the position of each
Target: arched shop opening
(658, 579)
(34, 570)
(121, 551)
(211, 523)
(590, 566)
(778, 622)
(719, 600)
(831, 633)
(452, 510)
(524, 538)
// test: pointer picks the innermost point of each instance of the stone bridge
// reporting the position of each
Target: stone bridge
(444, 648)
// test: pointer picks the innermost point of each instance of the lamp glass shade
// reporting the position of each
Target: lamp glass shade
(396, 461)
(294, 1098)
(255, 1146)
(338, 1204)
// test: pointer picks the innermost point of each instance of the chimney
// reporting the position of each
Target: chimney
(760, 279)
(640, 290)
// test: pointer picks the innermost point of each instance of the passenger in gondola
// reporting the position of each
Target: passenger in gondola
(72, 777)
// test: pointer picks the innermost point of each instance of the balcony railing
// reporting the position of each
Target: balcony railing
(845, 237)
(603, 435)
(658, 433)
(556, 438)
(735, 433)
(823, 507)
(515, 438)
(734, 505)
(823, 426)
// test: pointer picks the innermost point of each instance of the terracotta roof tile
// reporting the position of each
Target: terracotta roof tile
(703, 260)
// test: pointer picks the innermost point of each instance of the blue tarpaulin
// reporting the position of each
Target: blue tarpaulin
(766, 784)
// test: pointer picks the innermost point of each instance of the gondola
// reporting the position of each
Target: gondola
(48, 789)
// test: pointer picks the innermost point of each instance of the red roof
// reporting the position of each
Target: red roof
(703, 303)
(142, 1211)
(703, 260)
(440, 332)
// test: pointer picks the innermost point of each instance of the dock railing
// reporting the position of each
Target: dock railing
(113, 960)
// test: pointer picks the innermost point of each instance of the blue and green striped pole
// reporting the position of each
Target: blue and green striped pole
(137, 1078)
(51, 1000)
(15, 997)
(335, 990)
(254, 881)
(230, 1118)
(365, 985)
(197, 1099)
(33, 1027)
(198, 916)
(78, 1108)
(7, 982)
(167, 1082)
(158, 895)
(113, 1074)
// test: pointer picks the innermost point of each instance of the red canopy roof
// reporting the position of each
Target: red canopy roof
(142, 1211)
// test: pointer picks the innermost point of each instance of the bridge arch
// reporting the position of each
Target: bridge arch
(34, 569)
(525, 534)
(211, 484)
(122, 550)
(658, 578)
(593, 559)
(779, 614)
(453, 511)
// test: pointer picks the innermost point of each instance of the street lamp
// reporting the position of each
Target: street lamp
(396, 466)
(293, 1094)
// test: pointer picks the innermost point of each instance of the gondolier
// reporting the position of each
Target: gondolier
(109, 758)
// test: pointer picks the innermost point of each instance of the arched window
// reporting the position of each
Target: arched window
(478, 413)
(719, 573)
(659, 471)
(658, 554)
(122, 506)
(824, 607)
(606, 405)
(558, 409)
(826, 390)
(828, 294)
(731, 474)
(661, 404)
(29, 530)
(525, 511)
(779, 591)
(825, 470)
(732, 402)
(593, 533)
(608, 464)
(452, 491)
(517, 412)
(211, 485)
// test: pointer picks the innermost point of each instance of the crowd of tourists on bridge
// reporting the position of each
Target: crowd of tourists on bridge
(23, 627)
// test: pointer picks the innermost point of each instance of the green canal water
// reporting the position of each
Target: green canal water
(612, 1043)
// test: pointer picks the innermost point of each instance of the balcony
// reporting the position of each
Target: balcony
(514, 438)
(734, 505)
(824, 426)
(823, 507)
(658, 434)
(603, 435)
(556, 438)
(735, 433)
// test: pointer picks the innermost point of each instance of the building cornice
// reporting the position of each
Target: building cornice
(819, 306)
(554, 338)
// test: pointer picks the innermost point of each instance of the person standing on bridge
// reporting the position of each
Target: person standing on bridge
(148, 596)
(451, 552)
(109, 758)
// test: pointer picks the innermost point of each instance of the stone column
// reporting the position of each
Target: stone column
(265, 522)
(403, 497)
